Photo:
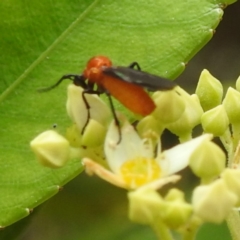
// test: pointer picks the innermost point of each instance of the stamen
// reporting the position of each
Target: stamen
(139, 171)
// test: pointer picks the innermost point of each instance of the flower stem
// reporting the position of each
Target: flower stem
(190, 231)
(189, 235)
(233, 222)
(236, 135)
(162, 231)
(226, 140)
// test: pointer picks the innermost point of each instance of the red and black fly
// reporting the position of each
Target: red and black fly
(126, 84)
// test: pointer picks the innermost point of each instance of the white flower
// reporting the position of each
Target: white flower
(133, 164)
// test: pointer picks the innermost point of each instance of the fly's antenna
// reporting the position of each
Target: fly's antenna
(51, 87)
(73, 77)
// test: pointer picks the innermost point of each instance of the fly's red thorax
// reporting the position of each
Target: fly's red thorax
(93, 70)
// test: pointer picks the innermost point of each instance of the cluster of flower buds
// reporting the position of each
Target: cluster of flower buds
(138, 163)
(220, 114)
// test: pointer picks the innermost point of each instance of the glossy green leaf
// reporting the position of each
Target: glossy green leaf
(42, 40)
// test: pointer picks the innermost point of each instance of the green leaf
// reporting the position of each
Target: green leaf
(42, 40)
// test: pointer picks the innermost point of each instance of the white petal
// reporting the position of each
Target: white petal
(77, 110)
(130, 146)
(177, 158)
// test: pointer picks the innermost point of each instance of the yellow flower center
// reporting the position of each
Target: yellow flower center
(139, 171)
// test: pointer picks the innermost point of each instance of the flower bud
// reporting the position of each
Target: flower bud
(170, 105)
(73, 135)
(51, 149)
(190, 118)
(231, 104)
(145, 205)
(232, 179)
(213, 202)
(149, 124)
(215, 121)
(238, 84)
(209, 90)
(208, 160)
(175, 211)
(94, 134)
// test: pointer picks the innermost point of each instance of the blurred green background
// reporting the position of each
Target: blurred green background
(88, 208)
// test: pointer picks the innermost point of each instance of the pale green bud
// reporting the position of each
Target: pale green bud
(213, 202)
(231, 104)
(175, 211)
(232, 179)
(238, 84)
(169, 105)
(74, 136)
(208, 160)
(149, 124)
(174, 195)
(88, 144)
(190, 117)
(209, 90)
(144, 205)
(94, 134)
(215, 121)
(51, 149)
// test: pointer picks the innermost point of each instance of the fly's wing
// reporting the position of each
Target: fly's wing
(146, 80)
